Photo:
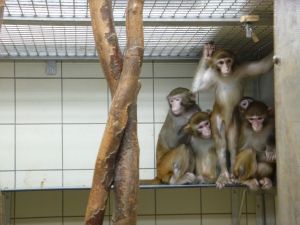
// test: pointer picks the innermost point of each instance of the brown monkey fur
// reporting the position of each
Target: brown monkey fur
(203, 146)
(218, 70)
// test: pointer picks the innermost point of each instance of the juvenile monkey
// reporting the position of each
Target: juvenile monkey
(174, 160)
(255, 163)
(203, 147)
(219, 70)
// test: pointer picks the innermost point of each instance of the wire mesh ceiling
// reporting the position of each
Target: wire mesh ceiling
(173, 28)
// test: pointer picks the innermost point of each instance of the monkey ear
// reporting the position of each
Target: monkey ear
(271, 111)
(209, 111)
(192, 96)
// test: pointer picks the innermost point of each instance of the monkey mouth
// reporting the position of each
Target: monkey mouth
(257, 128)
(206, 135)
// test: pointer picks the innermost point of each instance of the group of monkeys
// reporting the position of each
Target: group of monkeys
(235, 143)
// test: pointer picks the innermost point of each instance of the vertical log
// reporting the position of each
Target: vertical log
(287, 110)
(124, 101)
(106, 41)
(126, 184)
(127, 171)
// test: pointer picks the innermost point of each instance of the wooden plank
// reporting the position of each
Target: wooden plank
(269, 209)
(287, 108)
(260, 209)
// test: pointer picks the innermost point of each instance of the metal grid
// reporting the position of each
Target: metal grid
(173, 28)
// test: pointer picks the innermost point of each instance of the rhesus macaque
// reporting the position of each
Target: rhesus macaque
(203, 147)
(219, 70)
(174, 160)
(255, 163)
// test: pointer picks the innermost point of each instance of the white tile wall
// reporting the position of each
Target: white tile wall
(7, 147)
(80, 145)
(38, 147)
(85, 101)
(38, 179)
(145, 101)
(82, 70)
(7, 69)
(38, 101)
(35, 69)
(7, 108)
(77, 178)
(177, 69)
(146, 142)
(59, 124)
(7, 180)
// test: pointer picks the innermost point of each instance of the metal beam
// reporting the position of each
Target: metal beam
(121, 22)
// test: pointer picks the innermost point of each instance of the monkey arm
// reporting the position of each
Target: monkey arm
(204, 77)
(257, 68)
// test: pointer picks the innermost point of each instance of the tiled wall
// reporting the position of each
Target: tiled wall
(51, 125)
(50, 130)
(191, 206)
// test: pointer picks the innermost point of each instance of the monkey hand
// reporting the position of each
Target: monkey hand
(208, 50)
(270, 156)
(223, 179)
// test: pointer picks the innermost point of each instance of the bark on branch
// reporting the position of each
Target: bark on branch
(124, 102)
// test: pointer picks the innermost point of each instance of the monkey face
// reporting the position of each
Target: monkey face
(203, 129)
(224, 65)
(256, 122)
(175, 105)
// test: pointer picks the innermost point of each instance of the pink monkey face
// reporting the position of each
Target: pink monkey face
(175, 105)
(225, 65)
(204, 129)
(256, 122)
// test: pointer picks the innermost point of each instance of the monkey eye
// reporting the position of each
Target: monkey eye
(260, 118)
(221, 62)
(229, 61)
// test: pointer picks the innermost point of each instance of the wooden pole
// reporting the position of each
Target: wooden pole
(287, 109)
(127, 171)
(124, 89)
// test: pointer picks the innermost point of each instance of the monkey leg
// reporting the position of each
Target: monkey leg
(264, 169)
(232, 141)
(174, 166)
(183, 167)
(245, 165)
(207, 170)
(218, 131)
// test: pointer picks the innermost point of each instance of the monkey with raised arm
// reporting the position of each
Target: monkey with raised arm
(220, 71)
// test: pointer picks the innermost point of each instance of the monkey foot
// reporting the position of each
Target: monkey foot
(222, 180)
(266, 183)
(252, 184)
(187, 178)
